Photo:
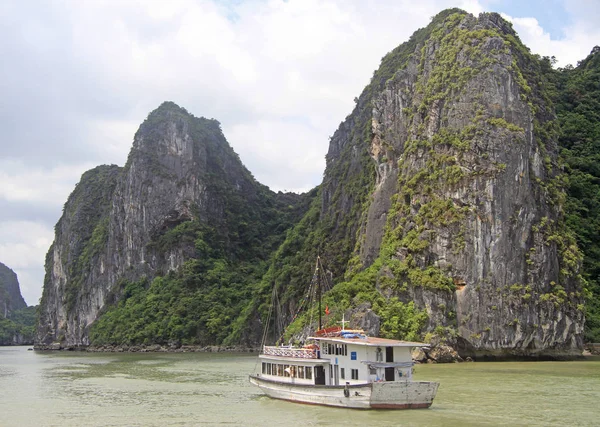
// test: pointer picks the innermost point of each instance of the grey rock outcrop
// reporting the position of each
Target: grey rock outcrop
(10, 292)
(443, 195)
(180, 169)
(468, 184)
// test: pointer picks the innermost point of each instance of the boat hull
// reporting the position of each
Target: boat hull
(377, 395)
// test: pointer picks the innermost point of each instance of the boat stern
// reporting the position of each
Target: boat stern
(403, 394)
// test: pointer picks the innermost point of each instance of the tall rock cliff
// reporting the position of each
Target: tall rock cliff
(10, 293)
(182, 181)
(466, 145)
(455, 227)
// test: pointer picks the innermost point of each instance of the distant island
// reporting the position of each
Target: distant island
(17, 321)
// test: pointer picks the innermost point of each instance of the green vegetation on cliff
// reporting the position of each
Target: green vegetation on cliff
(198, 303)
(577, 100)
(250, 241)
(19, 327)
(17, 321)
(85, 214)
(227, 245)
(425, 205)
(333, 228)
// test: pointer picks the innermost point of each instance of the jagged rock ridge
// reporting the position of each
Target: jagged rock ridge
(464, 142)
(122, 225)
(463, 234)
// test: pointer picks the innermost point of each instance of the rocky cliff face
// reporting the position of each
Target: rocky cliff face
(440, 213)
(10, 293)
(465, 148)
(462, 233)
(118, 225)
(71, 270)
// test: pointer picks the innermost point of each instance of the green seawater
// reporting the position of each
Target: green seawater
(149, 389)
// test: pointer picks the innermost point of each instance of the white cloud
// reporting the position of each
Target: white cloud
(23, 183)
(290, 157)
(577, 43)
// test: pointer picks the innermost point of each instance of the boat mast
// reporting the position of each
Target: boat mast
(319, 290)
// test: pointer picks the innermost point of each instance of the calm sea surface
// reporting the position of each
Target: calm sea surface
(80, 389)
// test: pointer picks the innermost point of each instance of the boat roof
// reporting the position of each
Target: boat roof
(296, 360)
(372, 341)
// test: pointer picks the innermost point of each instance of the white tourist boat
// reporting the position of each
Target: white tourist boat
(345, 368)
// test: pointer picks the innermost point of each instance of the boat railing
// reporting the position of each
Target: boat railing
(301, 353)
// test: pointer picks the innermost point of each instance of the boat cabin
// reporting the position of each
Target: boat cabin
(350, 357)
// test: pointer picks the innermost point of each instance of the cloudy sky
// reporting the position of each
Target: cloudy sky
(78, 77)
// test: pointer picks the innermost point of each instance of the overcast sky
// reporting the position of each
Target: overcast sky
(78, 77)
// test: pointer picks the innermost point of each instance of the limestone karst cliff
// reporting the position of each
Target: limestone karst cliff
(182, 183)
(444, 189)
(465, 142)
(440, 214)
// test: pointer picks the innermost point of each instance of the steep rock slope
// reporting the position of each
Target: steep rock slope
(463, 233)
(10, 293)
(476, 234)
(182, 196)
(80, 241)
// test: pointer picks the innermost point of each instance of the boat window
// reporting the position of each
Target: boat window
(345, 350)
(330, 371)
(286, 370)
(308, 372)
(373, 371)
(264, 368)
(300, 371)
(354, 374)
(379, 355)
(293, 371)
(342, 373)
(389, 354)
(325, 349)
(269, 368)
(280, 370)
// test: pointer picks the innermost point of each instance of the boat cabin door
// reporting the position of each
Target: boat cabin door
(389, 374)
(319, 375)
(389, 357)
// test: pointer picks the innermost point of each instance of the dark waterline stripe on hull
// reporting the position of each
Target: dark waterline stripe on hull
(376, 406)
(401, 406)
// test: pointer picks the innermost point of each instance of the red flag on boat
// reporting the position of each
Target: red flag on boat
(326, 309)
